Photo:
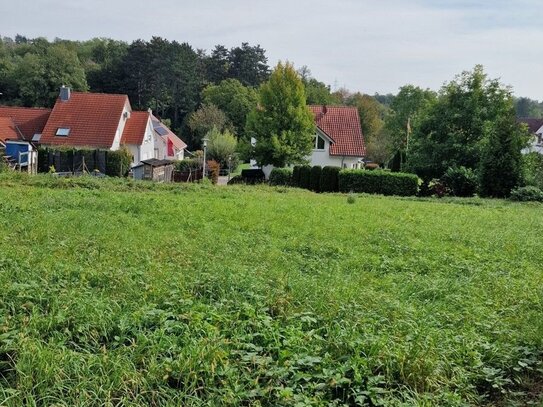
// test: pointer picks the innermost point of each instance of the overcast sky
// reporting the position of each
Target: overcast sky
(364, 45)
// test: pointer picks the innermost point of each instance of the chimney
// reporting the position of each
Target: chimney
(324, 110)
(65, 93)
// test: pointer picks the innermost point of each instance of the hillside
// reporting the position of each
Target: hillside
(140, 294)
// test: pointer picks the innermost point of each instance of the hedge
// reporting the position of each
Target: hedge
(118, 162)
(329, 179)
(296, 176)
(315, 178)
(281, 176)
(305, 177)
(378, 182)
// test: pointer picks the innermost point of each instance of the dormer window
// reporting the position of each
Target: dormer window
(318, 143)
(63, 132)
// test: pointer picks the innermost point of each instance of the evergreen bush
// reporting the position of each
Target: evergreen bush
(281, 177)
(460, 181)
(378, 182)
(329, 179)
(305, 177)
(315, 178)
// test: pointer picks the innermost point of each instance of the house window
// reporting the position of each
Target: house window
(318, 143)
(540, 139)
(63, 132)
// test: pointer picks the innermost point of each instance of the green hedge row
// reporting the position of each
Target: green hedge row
(281, 177)
(378, 182)
(329, 179)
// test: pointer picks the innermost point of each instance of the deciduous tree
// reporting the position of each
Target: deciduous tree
(282, 123)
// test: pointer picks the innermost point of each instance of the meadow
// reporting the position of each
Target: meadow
(123, 293)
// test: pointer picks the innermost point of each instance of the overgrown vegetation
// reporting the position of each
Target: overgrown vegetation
(292, 298)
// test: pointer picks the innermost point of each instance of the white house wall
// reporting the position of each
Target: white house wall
(147, 148)
(120, 127)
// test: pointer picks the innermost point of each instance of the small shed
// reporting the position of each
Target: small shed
(154, 170)
(22, 156)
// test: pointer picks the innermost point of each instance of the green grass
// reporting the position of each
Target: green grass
(133, 294)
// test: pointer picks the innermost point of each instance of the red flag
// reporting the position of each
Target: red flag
(171, 153)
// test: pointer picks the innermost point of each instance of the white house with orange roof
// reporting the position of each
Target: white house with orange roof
(93, 120)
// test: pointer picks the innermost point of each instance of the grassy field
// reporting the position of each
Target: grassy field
(133, 294)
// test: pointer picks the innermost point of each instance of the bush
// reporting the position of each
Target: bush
(118, 162)
(532, 166)
(461, 181)
(527, 194)
(329, 179)
(296, 176)
(238, 179)
(437, 187)
(378, 182)
(188, 164)
(253, 173)
(305, 177)
(213, 170)
(281, 176)
(315, 178)
(371, 166)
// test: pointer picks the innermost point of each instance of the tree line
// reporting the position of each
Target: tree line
(199, 93)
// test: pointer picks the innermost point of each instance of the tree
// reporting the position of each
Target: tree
(371, 114)
(39, 75)
(380, 148)
(205, 119)
(526, 107)
(248, 64)
(234, 99)
(317, 93)
(222, 148)
(501, 162)
(454, 129)
(282, 123)
(406, 110)
(217, 64)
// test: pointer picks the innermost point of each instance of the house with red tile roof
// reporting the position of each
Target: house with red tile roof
(22, 123)
(536, 128)
(339, 140)
(93, 120)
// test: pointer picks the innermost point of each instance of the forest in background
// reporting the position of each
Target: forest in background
(191, 89)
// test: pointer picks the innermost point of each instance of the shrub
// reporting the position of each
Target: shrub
(526, 194)
(222, 148)
(532, 166)
(329, 179)
(118, 162)
(371, 166)
(378, 182)
(437, 187)
(281, 176)
(213, 170)
(238, 179)
(305, 177)
(461, 181)
(188, 164)
(296, 176)
(315, 178)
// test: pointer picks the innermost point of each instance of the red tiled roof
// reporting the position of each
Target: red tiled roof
(93, 119)
(342, 125)
(29, 121)
(8, 130)
(533, 124)
(135, 128)
(176, 141)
